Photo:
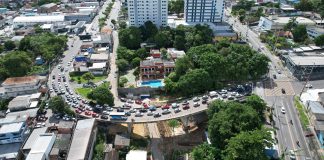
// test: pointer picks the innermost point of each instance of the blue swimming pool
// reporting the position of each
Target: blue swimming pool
(153, 83)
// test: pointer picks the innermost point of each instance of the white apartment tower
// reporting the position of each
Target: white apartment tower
(140, 11)
(204, 10)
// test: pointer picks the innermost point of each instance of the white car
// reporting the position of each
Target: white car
(308, 85)
(292, 155)
(283, 110)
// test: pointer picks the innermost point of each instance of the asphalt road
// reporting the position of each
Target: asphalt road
(288, 134)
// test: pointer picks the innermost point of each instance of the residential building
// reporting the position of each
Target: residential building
(136, 155)
(83, 140)
(19, 103)
(87, 17)
(21, 85)
(42, 147)
(47, 8)
(175, 54)
(314, 32)
(98, 68)
(155, 53)
(12, 133)
(278, 23)
(140, 11)
(47, 27)
(204, 10)
(155, 68)
(99, 58)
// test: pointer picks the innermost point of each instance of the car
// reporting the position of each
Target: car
(156, 115)
(185, 107)
(152, 108)
(78, 111)
(123, 99)
(166, 111)
(283, 110)
(130, 101)
(309, 134)
(308, 85)
(195, 99)
(283, 91)
(196, 104)
(88, 113)
(95, 115)
(224, 95)
(127, 113)
(204, 97)
(120, 110)
(53, 77)
(138, 114)
(109, 109)
(204, 101)
(143, 110)
(175, 105)
(292, 154)
(105, 112)
(150, 113)
(145, 105)
(279, 71)
(104, 117)
(166, 106)
(132, 111)
(274, 76)
(177, 110)
(230, 98)
(185, 102)
(138, 101)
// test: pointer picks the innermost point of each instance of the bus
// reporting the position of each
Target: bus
(118, 116)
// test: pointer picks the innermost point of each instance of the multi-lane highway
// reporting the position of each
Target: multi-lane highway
(290, 135)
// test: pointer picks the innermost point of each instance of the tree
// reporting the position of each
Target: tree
(248, 145)
(163, 39)
(130, 37)
(124, 53)
(113, 21)
(122, 65)
(17, 63)
(176, 6)
(319, 41)
(203, 152)
(122, 24)
(122, 81)
(57, 104)
(304, 5)
(148, 30)
(88, 76)
(179, 42)
(300, 33)
(173, 123)
(193, 82)
(102, 95)
(182, 66)
(257, 104)
(291, 24)
(142, 53)
(164, 53)
(9, 45)
(136, 62)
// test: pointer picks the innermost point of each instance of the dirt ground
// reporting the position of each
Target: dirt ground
(139, 130)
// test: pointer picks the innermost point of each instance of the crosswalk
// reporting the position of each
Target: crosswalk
(275, 88)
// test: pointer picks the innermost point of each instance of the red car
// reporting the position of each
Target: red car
(309, 134)
(88, 113)
(95, 115)
(138, 101)
(145, 105)
(78, 111)
(186, 107)
(167, 106)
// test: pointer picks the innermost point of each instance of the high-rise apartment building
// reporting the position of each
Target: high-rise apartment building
(140, 11)
(204, 10)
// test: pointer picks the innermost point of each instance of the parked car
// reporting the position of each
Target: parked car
(156, 115)
(283, 110)
(166, 106)
(186, 107)
(166, 111)
(175, 105)
(196, 104)
(177, 110)
(150, 113)
(152, 108)
(104, 117)
(195, 99)
(138, 101)
(138, 114)
(185, 102)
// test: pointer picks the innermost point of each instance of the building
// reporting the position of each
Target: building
(175, 54)
(47, 27)
(155, 68)
(21, 85)
(83, 140)
(155, 53)
(121, 141)
(19, 103)
(278, 23)
(99, 58)
(98, 68)
(314, 32)
(204, 10)
(12, 133)
(87, 17)
(140, 11)
(30, 141)
(42, 147)
(22, 21)
(47, 8)
(60, 147)
(136, 155)
(103, 40)
(223, 31)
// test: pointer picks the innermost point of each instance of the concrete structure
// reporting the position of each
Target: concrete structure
(19, 103)
(21, 85)
(12, 133)
(314, 32)
(30, 141)
(140, 11)
(278, 23)
(204, 10)
(42, 147)
(175, 54)
(99, 58)
(47, 8)
(83, 140)
(22, 21)
(98, 68)
(136, 155)
(155, 68)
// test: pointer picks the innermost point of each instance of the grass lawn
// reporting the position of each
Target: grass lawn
(95, 80)
(302, 114)
(83, 91)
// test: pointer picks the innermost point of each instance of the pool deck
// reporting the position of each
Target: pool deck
(139, 83)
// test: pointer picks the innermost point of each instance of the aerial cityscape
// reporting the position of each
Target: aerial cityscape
(162, 80)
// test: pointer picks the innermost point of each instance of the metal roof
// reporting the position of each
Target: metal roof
(316, 107)
(43, 143)
(307, 60)
(39, 19)
(33, 137)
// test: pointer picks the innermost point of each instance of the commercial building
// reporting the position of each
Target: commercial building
(314, 32)
(155, 68)
(42, 147)
(19, 103)
(98, 68)
(204, 10)
(140, 11)
(278, 23)
(47, 8)
(99, 58)
(83, 140)
(22, 21)
(103, 40)
(21, 85)
(12, 133)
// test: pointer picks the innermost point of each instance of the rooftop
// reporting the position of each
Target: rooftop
(316, 107)
(19, 103)
(62, 141)
(102, 38)
(46, 26)
(33, 137)
(41, 19)
(20, 80)
(98, 65)
(42, 144)
(48, 5)
(122, 140)
(156, 61)
(285, 20)
(307, 60)
(316, 29)
(136, 155)
(100, 56)
(11, 128)
(81, 138)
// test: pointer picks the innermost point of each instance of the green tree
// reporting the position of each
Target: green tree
(257, 104)
(193, 82)
(122, 65)
(122, 24)
(300, 33)
(9, 45)
(124, 53)
(136, 62)
(142, 53)
(164, 53)
(182, 66)
(130, 37)
(304, 5)
(148, 30)
(319, 41)
(17, 63)
(203, 152)
(163, 39)
(102, 95)
(179, 42)
(173, 123)
(122, 81)
(57, 104)
(176, 6)
(88, 76)
(291, 24)
(248, 145)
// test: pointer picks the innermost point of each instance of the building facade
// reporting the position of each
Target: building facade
(204, 10)
(155, 68)
(12, 133)
(21, 85)
(140, 11)
(314, 32)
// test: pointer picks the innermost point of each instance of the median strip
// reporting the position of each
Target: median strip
(302, 114)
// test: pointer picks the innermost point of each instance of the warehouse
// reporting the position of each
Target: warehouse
(22, 21)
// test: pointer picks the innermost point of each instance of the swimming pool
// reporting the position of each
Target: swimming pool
(153, 83)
